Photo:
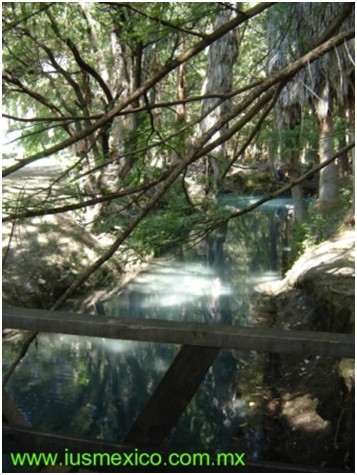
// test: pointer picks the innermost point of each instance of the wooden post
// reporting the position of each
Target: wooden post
(171, 396)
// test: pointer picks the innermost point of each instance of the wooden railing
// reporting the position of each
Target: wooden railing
(201, 343)
(272, 340)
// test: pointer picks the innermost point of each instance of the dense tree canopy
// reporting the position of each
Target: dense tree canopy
(129, 97)
(321, 86)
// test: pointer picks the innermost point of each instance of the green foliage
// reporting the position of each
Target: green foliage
(110, 221)
(104, 278)
(310, 233)
(290, 141)
(253, 51)
(270, 135)
(173, 223)
(346, 197)
(320, 225)
(46, 227)
(165, 227)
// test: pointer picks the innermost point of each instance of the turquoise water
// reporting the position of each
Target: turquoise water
(97, 387)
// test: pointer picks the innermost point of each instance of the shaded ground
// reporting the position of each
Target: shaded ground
(310, 411)
(43, 255)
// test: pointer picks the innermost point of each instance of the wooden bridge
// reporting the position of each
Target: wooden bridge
(201, 343)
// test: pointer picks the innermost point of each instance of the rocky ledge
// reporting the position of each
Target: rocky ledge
(310, 414)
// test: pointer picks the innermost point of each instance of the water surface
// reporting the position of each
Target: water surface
(97, 387)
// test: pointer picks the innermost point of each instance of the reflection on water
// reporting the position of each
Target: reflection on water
(172, 291)
(85, 386)
(169, 290)
(279, 204)
(215, 281)
(97, 387)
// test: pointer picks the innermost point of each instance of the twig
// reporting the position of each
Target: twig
(335, 443)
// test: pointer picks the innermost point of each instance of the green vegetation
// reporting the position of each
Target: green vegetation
(315, 229)
(154, 109)
(320, 224)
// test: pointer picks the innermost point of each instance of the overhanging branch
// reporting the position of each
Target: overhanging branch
(121, 105)
(290, 185)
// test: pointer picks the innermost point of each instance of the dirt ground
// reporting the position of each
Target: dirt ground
(310, 412)
(43, 255)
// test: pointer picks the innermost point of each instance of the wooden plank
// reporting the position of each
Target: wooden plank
(271, 340)
(171, 396)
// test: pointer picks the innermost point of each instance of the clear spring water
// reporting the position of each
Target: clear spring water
(97, 387)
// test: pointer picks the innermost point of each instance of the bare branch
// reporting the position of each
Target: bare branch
(100, 199)
(68, 77)
(106, 118)
(251, 136)
(290, 185)
(88, 68)
(68, 119)
(285, 73)
(9, 78)
(158, 20)
(218, 224)
(147, 107)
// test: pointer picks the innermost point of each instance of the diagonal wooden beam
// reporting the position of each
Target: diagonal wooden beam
(171, 396)
(11, 413)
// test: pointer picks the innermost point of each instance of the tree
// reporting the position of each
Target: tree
(94, 85)
(294, 28)
(219, 79)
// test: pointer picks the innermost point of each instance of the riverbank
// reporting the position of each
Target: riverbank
(42, 256)
(325, 276)
(310, 412)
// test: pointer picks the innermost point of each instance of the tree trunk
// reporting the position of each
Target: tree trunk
(292, 120)
(328, 190)
(128, 68)
(344, 166)
(350, 112)
(181, 85)
(297, 193)
(219, 79)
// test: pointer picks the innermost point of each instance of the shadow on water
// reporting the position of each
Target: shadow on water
(97, 387)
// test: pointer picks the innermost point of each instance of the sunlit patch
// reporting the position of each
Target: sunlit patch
(116, 346)
(341, 271)
(166, 301)
(301, 413)
(275, 204)
(178, 284)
